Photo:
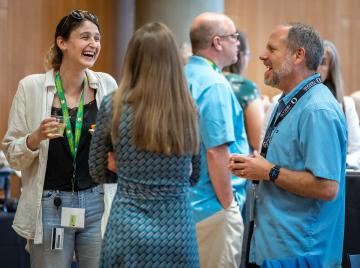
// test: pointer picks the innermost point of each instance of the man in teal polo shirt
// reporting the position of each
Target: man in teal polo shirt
(299, 203)
(218, 198)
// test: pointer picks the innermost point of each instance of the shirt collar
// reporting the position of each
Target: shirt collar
(93, 80)
(202, 60)
(286, 98)
(50, 80)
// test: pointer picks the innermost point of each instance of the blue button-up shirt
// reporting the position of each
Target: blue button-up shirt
(221, 122)
(312, 137)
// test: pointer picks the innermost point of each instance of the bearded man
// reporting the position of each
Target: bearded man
(299, 200)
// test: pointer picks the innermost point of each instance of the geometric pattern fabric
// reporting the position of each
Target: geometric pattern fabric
(151, 222)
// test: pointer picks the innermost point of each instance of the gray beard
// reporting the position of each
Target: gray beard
(273, 81)
(277, 75)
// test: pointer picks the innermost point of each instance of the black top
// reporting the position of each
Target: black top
(59, 169)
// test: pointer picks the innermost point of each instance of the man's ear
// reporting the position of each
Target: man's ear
(216, 43)
(299, 55)
(61, 43)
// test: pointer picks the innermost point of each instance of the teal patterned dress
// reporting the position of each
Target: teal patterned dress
(151, 222)
(244, 89)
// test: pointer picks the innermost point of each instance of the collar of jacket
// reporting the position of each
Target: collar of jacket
(93, 80)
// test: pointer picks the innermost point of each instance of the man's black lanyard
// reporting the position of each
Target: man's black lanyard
(285, 111)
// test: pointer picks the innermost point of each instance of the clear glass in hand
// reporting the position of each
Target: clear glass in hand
(57, 130)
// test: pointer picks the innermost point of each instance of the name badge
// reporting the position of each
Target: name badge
(72, 217)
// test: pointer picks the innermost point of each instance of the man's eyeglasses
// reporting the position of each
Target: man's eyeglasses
(234, 36)
(80, 15)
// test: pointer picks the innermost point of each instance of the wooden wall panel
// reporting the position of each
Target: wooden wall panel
(27, 28)
(5, 97)
(337, 20)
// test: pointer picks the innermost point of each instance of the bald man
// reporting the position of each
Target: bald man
(219, 197)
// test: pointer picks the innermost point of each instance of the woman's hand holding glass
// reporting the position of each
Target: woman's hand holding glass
(55, 127)
(50, 128)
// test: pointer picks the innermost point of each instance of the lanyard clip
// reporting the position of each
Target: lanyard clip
(57, 202)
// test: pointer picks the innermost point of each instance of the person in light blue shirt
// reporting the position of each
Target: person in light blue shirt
(218, 198)
(299, 204)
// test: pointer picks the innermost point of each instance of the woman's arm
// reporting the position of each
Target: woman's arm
(352, 120)
(101, 144)
(20, 144)
(196, 165)
(254, 120)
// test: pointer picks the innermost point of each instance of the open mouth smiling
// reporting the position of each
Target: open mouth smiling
(89, 54)
(268, 66)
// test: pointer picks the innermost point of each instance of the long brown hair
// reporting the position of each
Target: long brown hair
(165, 117)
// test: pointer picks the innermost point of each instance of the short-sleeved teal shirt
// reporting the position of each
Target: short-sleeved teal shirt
(221, 122)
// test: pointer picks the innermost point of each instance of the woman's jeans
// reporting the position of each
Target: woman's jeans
(86, 242)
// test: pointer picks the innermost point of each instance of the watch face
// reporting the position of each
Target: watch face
(274, 173)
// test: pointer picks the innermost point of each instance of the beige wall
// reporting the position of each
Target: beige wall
(176, 14)
(337, 20)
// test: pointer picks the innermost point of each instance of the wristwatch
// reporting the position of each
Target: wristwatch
(274, 173)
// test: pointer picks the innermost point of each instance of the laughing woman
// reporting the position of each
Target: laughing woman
(59, 196)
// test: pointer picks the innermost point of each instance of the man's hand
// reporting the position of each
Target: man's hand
(302, 183)
(254, 167)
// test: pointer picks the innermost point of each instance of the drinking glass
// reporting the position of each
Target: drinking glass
(57, 130)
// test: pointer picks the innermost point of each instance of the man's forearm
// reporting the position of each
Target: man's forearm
(217, 160)
(302, 183)
(305, 184)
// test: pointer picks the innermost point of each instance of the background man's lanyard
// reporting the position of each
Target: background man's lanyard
(73, 141)
(276, 120)
(213, 65)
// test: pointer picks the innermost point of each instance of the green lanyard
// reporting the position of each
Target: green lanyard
(213, 65)
(73, 141)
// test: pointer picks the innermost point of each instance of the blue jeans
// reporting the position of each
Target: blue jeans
(86, 243)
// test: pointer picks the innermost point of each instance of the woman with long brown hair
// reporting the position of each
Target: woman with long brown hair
(151, 120)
